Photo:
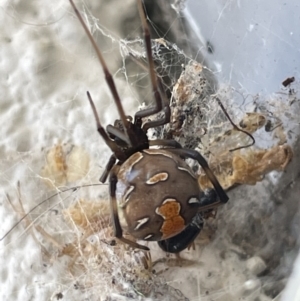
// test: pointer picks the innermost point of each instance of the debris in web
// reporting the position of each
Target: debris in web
(202, 114)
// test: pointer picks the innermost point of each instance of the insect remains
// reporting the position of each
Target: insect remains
(154, 194)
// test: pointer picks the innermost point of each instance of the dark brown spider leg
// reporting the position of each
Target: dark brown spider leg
(112, 145)
(167, 110)
(159, 80)
(188, 153)
(158, 100)
(159, 122)
(108, 167)
(236, 128)
(118, 232)
(114, 131)
(108, 76)
(167, 143)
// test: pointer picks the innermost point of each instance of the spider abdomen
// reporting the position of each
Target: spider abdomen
(156, 194)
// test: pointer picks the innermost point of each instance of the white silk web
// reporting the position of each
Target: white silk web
(49, 143)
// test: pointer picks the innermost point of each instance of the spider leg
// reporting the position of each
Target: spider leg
(188, 153)
(167, 110)
(155, 123)
(118, 232)
(108, 167)
(163, 142)
(111, 144)
(108, 77)
(114, 131)
(154, 82)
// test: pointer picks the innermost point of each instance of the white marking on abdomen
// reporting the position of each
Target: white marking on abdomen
(157, 152)
(188, 171)
(141, 222)
(193, 201)
(140, 157)
(128, 192)
(148, 236)
(159, 177)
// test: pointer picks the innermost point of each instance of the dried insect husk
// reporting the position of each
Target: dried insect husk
(248, 166)
(65, 163)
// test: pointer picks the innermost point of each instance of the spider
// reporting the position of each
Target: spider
(154, 194)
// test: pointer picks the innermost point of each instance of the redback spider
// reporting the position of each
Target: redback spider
(154, 194)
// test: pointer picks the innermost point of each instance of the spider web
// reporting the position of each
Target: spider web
(44, 106)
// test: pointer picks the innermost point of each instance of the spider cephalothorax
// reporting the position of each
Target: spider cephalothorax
(154, 194)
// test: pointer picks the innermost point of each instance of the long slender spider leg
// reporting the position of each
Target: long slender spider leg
(158, 100)
(236, 128)
(155, 123)
(167, 110)
(188, 153)
(108, 76)
(114, 131)
(161, 87)
(118, 232)
(111, 162)
(110, 143)
(166, 143)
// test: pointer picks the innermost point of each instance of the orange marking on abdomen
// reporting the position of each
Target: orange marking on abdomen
(174, 223)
